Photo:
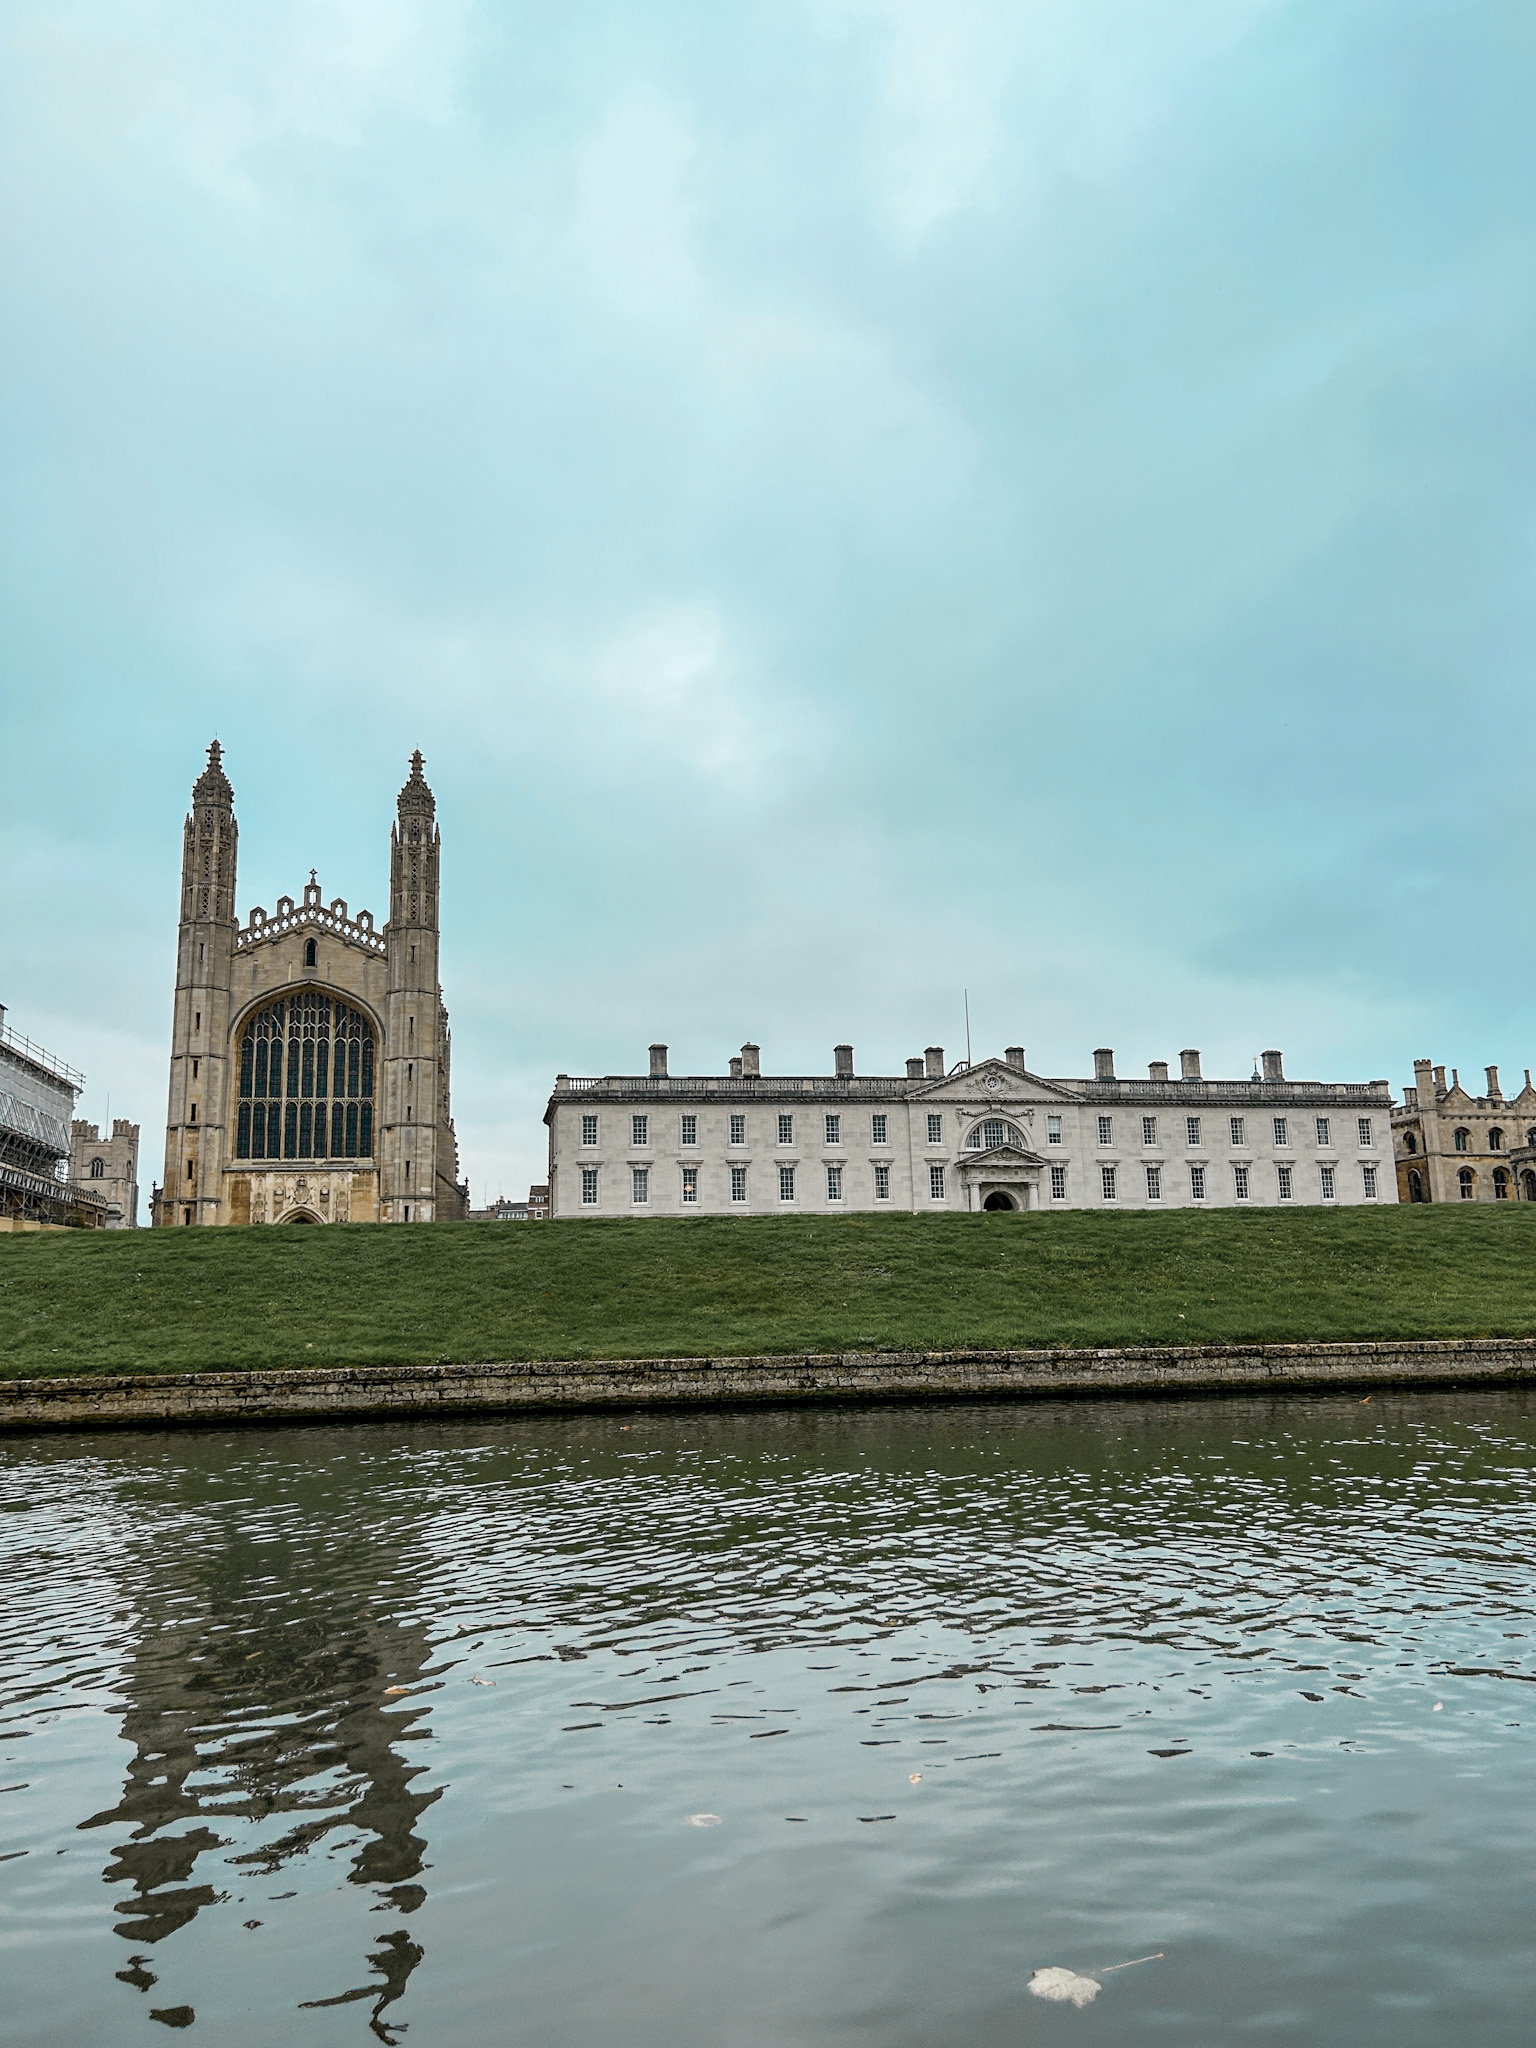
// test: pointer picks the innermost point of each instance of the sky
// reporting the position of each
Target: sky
(859, 501)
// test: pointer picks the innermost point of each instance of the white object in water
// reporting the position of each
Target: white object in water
(703, 1820)
(1065, 1986)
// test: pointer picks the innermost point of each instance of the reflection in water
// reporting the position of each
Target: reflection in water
(259, 1693)
(1236, 1681)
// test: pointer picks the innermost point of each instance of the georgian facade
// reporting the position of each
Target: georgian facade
(988, 1136)
(1452, 1146)
(310, 1052)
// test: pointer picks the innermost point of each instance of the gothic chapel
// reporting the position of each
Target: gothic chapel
(309, 1057)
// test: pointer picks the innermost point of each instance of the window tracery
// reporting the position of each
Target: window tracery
(306, 1081)
(995, 1131)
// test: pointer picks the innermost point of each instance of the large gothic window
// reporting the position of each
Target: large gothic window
(306, 1081)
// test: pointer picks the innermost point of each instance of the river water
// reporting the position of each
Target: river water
(405, 1731)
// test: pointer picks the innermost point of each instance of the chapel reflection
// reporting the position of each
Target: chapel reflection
(265, 1700)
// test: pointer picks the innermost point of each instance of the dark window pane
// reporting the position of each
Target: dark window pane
(322, 1066)
(306, 1115)
(354, 1057)
(368, 1064)
(351, 1130)
(243, 1141)
(259, 1132)
(365, 1131)
(247, 1055)
(338, 1131)
(291, 1131)
(293, 1066)
(261, 1069)
(307, 1086)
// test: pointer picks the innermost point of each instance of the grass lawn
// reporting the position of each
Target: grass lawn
(182, 1300)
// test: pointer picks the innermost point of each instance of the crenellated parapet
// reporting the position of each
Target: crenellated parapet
(310, 914)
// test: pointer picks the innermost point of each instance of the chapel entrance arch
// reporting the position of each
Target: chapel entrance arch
(998, 1201)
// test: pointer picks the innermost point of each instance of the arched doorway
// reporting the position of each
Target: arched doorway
(299, 1216)
(1415, 1188)
(998, 1200)
(1530, 1185)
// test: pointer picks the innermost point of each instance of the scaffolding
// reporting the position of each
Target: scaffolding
(37, 1099)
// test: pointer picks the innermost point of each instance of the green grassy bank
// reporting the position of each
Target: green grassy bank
(180, 1300)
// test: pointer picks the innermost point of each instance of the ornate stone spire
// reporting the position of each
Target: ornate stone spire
(212, 786)
(416, 795)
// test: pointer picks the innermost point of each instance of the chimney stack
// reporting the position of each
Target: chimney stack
(933, 1062)
(1189, 1064)
(751, 1070)
(658, 1062)
(1440, 1080)
(842, 1062)
(735, 1066)
(914, 1070)
(1103, 1064)
(1274, 1069)
(1014, 1056)
(1493, 1084)
(1157, 1070)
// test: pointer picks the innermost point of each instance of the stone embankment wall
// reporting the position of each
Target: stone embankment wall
(326, 1394)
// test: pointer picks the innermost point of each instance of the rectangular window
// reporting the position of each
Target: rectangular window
(690, 1183)
(1149, 1130)
(1324, 1136)
(786, 1130)
(1058, 1183)
(1240, 1182)
(1327, 1175)
(1191, 1130)
(640, 1184)
(1053, 1130)
(786, 1183)
(1197, 1183)
(1365, 1130)
(1237, 1130)
(877, 1130)
(690, 1130)
(1154, 1183)
(834, 1183)
(1283, 1175)
(834, 1130)
(1107, 1181)
(1281, 1135)
(640, 1130)
(882, 1183)
(935, 1130)
(1368, 1175)
(1106, 1130)
(738, 1183)
(589, 1186)
(738, 1130)
(589, 1130)
(936, 1183)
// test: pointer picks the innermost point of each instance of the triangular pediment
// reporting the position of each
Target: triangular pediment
(1002, 1155)
(993, 1082)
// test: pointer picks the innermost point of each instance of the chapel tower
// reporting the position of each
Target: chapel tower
(419, 1153)
(205, 958)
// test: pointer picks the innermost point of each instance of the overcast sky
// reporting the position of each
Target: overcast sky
(856, 499)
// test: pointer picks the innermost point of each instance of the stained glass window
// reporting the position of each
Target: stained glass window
(306, 1081)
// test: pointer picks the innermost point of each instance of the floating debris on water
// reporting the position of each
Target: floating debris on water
(1064, 1987)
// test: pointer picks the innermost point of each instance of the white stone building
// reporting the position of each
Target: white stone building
(986, 1136)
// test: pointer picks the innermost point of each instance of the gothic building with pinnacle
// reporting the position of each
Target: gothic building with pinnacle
(309, 1055)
